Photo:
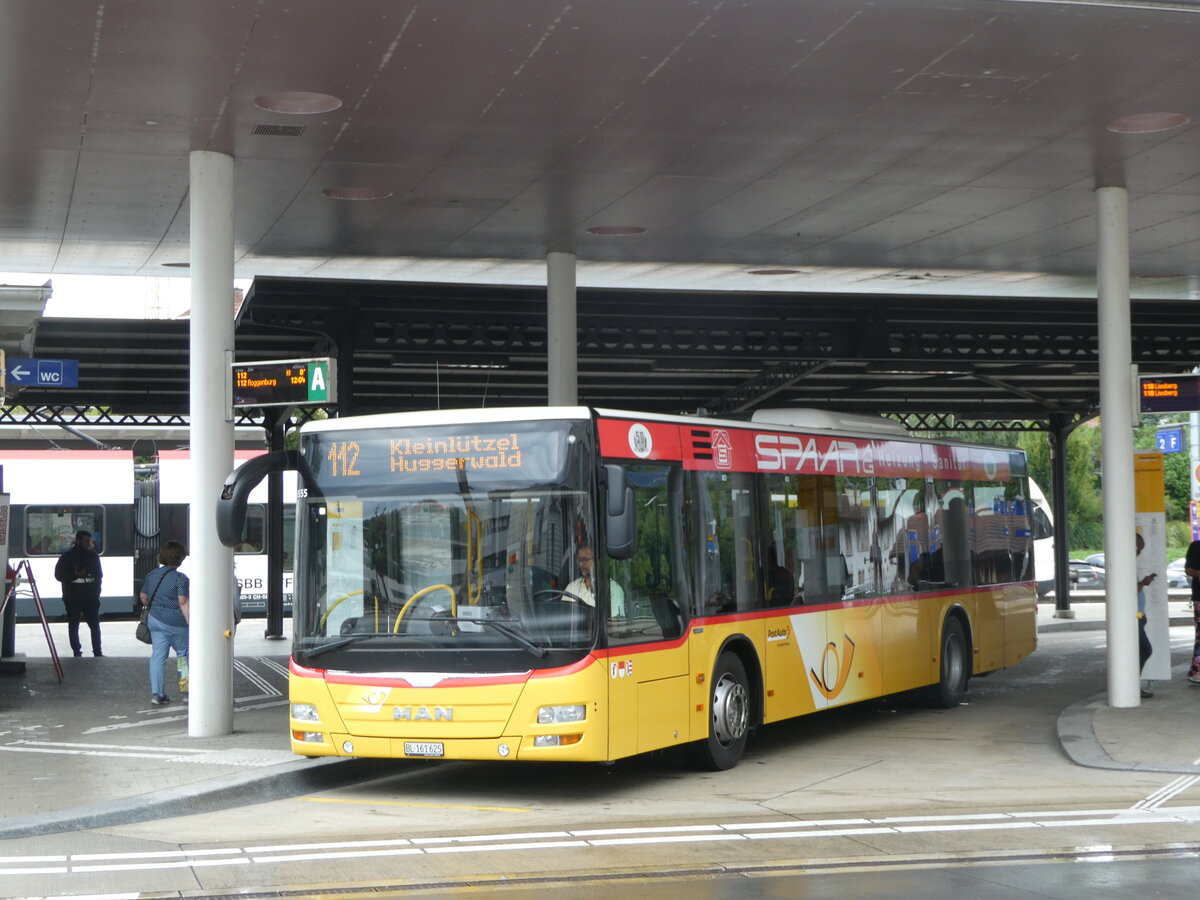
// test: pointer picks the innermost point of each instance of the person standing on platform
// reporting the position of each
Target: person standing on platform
(1191, 568)
(80, 573)
(1145, 577)
(165, 592)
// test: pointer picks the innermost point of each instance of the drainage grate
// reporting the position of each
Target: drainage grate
(279, 130)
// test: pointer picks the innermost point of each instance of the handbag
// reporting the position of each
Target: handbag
(143, 627)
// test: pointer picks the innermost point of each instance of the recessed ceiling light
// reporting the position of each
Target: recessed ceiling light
(357, 193)
(297, 103)
(773, 272)
(177, 265)
(1147, 123)
(616, 229)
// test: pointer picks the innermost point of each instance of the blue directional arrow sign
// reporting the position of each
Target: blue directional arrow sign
(54, 373)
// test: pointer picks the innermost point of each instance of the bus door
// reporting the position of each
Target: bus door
(728, 593)
(852, 664)
(645, 625)
(805, 572)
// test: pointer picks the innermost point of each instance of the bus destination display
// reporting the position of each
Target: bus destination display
(1176, 393)
(439, 456)
(284, 382)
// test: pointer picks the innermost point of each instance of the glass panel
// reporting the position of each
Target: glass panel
(434, 572)
(950, 556)
(255, 528)
(860, 535)
(50, 530)
(903, 533)
(804, 562)
(721, 531)
(991, 555)
(653, 583)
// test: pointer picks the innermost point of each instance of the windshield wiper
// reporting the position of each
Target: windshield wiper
(339, 644)
(512, 634)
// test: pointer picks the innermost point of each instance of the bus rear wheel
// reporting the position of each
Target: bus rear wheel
(729, 705)
(954, 666)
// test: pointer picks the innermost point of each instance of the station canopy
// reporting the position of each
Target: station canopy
(936, 362)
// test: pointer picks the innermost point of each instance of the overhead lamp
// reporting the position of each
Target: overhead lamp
(774, 272)
(616, 230)
(356, 193)
(298, 103)
(1147, 123)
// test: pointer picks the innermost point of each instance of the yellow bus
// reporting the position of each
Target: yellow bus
(588, 584)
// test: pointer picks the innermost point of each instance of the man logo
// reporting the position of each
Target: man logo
(423, 714)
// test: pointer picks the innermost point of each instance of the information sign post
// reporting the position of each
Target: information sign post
(284, 382)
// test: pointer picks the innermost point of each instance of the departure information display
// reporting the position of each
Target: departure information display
(284, 382)
(1175, 393)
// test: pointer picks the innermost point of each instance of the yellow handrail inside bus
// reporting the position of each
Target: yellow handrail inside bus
(474, 558)
(421, 593)
(335, 603)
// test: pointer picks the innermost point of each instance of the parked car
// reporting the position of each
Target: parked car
(1096, 559)
(1175, 575)
(1086, 577)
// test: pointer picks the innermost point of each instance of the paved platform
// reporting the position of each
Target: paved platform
(93, 751)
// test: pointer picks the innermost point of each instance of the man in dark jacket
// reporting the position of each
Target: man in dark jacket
(79, 571)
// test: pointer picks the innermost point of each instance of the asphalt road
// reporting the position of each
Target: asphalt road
(885, 799)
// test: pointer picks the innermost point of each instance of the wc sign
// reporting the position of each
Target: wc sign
(49, 373)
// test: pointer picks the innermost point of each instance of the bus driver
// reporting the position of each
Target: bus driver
(583, 588)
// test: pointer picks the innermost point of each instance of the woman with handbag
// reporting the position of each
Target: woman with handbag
(165, 593)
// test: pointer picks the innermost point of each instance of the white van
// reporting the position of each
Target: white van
(1043, 540)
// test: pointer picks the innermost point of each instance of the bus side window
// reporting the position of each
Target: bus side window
(723, 539)
(651, 579)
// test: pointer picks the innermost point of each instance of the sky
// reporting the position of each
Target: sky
(113, 296)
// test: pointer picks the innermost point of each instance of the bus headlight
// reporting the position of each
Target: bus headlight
(556, 740)
(552, 715)
(305, 712)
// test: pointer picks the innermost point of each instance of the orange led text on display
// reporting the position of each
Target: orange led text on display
(1160, 388)
(465, 451)
(343, 459)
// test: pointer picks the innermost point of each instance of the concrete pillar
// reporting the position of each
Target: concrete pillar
(562, 333)
(211, 346)
(1117, 378)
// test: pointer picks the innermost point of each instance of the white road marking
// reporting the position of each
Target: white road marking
(798, 829)
(243, 757)
(1174, 789)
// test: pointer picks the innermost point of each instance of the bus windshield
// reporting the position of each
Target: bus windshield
(413, 544)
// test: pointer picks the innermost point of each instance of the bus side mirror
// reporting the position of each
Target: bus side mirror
(620, 519)
(231, 505)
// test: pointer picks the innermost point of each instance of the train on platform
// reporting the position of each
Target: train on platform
(132, 505)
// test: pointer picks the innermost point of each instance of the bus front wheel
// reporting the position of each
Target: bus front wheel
(954, 668)
(729, 717)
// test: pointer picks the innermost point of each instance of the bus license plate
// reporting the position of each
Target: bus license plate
(418, 748)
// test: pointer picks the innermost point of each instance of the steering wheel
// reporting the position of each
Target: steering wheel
(562, 595)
